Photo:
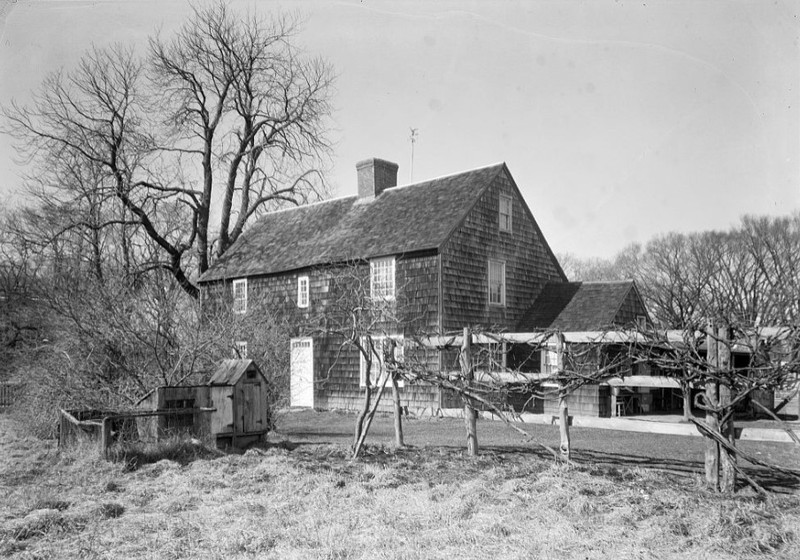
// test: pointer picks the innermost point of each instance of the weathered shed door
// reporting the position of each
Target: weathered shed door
(252, 407)
(302, 373)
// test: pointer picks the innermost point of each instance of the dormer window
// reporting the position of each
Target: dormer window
(381, 285)
(506, 212)
(302, 292)
(240, 296)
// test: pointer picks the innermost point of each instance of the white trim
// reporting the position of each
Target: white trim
(240, 301)
(303, 292)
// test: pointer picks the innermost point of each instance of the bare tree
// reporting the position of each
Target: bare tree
(225, 110)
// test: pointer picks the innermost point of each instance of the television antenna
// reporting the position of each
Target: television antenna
(413, 138)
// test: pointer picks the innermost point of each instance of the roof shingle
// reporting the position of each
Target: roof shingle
(400, 220)
(576, 306)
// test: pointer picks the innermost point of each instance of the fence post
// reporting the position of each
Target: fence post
(105, 437)
(563, 411)
(470, 417)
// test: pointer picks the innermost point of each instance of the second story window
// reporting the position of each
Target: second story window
(239, 350)
(240, 296)
(302, 291)
(381, 285)
(497, 283)
(506, 212)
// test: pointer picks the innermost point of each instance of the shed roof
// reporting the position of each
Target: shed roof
(576, 306)
(230, 371)
(400, 220)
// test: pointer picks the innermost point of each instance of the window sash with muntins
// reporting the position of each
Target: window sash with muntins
(302, 292)
(382, 278)
(240, 296)
(506, 213)
(497, 283)
(240, 350)
(378, 349)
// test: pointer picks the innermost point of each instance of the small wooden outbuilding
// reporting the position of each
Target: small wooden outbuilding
(232, 407)
(239, 391)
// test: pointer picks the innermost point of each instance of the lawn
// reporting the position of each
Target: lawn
(300, 497)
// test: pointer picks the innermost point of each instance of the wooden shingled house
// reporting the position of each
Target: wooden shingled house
(455, 251)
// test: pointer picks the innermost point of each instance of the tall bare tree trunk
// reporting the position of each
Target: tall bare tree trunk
(359, 429)
(368, 421)
(470, 417)
(727, 429)
(712, 417)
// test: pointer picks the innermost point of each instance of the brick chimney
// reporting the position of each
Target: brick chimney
(374, 176)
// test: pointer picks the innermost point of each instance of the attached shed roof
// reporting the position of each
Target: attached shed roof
(400, 220)
(576, 306)
(230, 371)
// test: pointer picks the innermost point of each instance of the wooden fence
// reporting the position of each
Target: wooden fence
(102, 428)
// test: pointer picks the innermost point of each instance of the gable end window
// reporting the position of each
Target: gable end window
(381, 285)
(302, 291)
(240, 296)
(497, 283)
(506, 212)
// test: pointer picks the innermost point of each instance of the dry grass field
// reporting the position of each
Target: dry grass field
(301, 498)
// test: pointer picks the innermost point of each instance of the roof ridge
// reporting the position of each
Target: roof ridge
(447, 176)
(310, 204)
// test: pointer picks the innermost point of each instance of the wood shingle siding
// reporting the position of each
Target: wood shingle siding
(529, 262)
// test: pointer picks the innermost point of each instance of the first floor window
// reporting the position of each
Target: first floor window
(240, 296)
(240, 350)
(549, 361)
(383, 351)
(497, 283)
(302, 291)
(381, 276)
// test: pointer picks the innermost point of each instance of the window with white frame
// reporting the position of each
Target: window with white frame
(506, 212)
(549, 361)
(497, 283)
(381, 283)
(240, 350)
(240, 296)
(302, 291)
(381, 349)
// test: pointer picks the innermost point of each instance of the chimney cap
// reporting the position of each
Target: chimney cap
(375, 162)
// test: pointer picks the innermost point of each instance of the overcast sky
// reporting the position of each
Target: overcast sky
(618, 120)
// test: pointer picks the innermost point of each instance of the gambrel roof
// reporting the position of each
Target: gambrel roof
(402, 219)
(579, 306)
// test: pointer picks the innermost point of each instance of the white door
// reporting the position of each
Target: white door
(301, 388)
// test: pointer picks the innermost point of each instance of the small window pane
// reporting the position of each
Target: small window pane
(506, 213)
(382, 278)
(240, 296)
(302, 291)
(497, 283)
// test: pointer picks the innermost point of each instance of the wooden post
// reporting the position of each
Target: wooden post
(470, 417)
(727, 430)
(563, 411)
(105, 437)
(712, 417)
(398, 413)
